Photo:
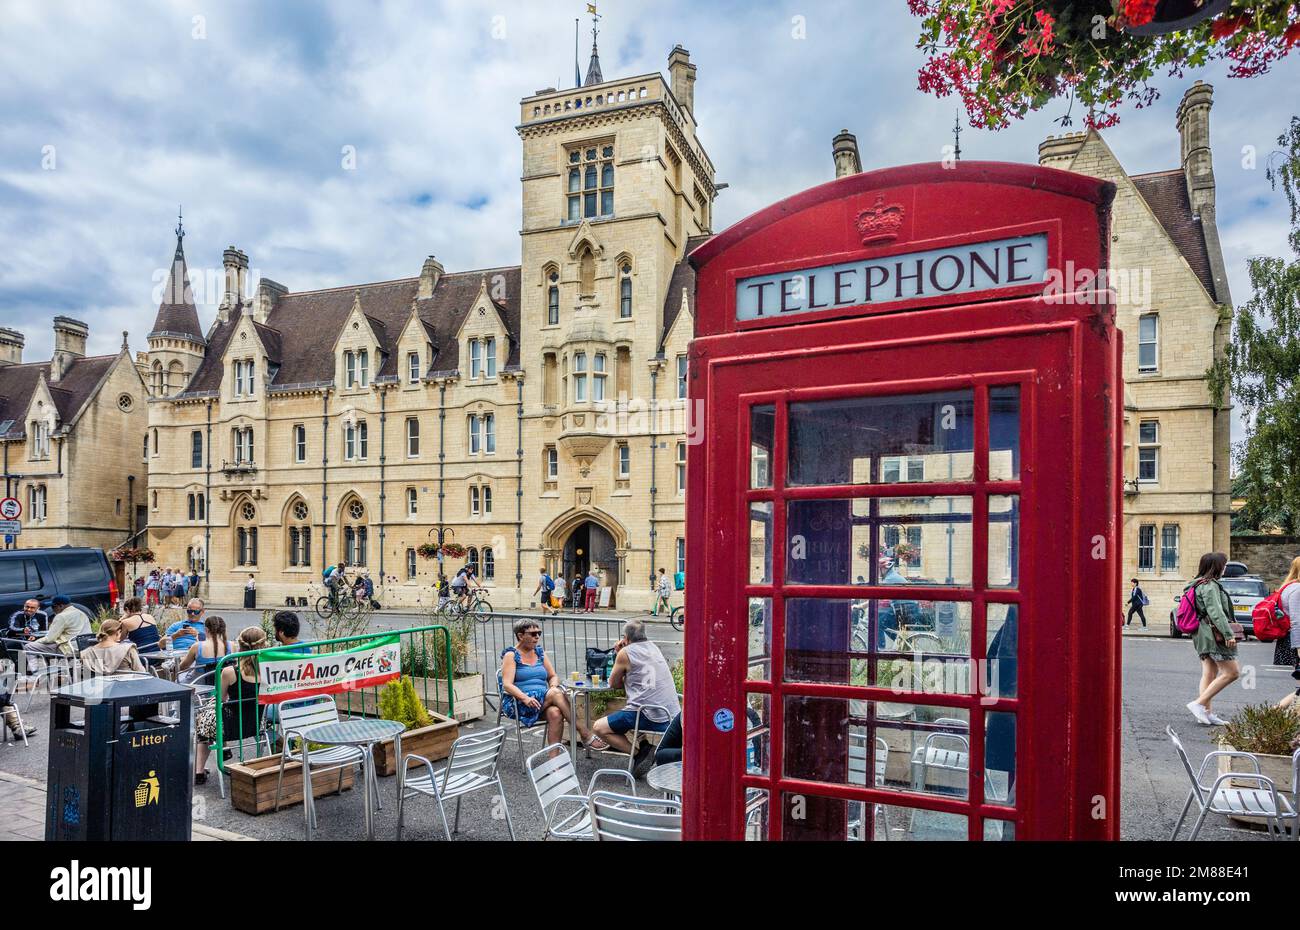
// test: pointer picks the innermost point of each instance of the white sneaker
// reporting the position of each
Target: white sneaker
(1200, 713)
(1217, 720)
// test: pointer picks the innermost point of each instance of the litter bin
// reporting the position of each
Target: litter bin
(118, 768)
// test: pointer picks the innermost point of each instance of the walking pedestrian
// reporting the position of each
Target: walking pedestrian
(557, 596)
(1137, 599)
(1287, 650)
(591, 584)
(1214, 641)
(542, 593)
(665, 590)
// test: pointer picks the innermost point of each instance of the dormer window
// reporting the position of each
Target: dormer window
(245, 372)
(413, 368)
(475, 358)
(40, 440)
(350, 369)
(363, 367)
(490, 357)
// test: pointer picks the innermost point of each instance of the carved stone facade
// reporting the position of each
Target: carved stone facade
(529, 413)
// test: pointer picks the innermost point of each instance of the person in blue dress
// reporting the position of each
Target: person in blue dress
(530, 689)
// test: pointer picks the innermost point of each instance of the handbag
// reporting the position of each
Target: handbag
(1284, 653)
(597, 660)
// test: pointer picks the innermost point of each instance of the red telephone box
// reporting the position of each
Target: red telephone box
(903, 516)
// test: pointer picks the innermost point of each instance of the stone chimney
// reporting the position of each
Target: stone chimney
(236, 265)
(268, 296)
(1059, 151)
(429, 276)
(845, 150)
(69, 345)
(1194, 138)
(11, 346)
(682, 73)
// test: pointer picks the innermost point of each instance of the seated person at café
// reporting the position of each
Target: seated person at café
(670, 747)
(7, 709)
(287, 627)
(184, 632)
(140, 627)
(237, 698)
(204, 654)
(60, 640)
(641, 670)
(28, 620)
(113, 653)
(530, 689)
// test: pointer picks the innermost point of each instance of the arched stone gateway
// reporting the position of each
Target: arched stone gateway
(586, 538)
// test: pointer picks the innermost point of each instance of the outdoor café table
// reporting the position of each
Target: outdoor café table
(584, 687)
(362, 732)
(666, 778)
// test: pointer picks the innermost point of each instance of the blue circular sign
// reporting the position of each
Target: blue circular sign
(724, 720)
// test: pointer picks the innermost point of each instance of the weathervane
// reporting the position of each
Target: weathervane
(180, 229)
(956, 136)
(595, 17)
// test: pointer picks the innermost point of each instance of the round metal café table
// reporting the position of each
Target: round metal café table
(666, 778)
(584, 687)
(361, 732)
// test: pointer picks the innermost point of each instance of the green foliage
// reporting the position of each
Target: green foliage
(679, 675)
(1261, 367)
(1263, 729)
(424, 655)
(398, 701)
(104, 613)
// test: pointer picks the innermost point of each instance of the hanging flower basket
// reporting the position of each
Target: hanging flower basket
(428, 551)
(448, 550)
(906, 553)
(1004, 59)
(453, 550)
(131, 554)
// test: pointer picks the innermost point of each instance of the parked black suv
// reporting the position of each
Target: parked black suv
(83, 575)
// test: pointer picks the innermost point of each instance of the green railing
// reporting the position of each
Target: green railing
(417, 655)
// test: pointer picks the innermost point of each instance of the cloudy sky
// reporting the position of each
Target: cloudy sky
(115, 113)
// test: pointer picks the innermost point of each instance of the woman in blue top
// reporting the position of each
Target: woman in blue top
(530, 688)
(204, 655)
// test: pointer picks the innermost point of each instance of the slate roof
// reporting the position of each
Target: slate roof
(18, 383)
(177, 313)
(304, 327)
(1166, 193)
(683, 277)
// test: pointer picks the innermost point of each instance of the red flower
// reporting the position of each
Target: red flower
(1139, 12)
(1228, 25)
(1292, 35)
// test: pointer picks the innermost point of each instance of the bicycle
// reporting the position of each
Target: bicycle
(478, 607)
(344, 604)
(678, 618)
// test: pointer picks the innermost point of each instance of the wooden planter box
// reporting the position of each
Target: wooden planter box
(1277, 768)
(433, 743)
(468, 691)
(252, 783)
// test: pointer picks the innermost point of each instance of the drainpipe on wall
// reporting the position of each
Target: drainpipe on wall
(207, 512)
(383, 456)
(654, 448)
(324, 476)
(519, 495)
(442, 460)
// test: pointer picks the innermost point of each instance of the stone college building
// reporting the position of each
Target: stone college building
(533, 414)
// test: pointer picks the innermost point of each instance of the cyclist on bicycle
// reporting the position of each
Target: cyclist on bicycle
(461, 584)
(335, 579)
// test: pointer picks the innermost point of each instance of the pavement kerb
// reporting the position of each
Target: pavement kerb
(211, 833)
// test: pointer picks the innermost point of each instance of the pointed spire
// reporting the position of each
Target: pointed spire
(176, 311)
(593, 68)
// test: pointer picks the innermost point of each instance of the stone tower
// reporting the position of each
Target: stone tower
(615, 185)
(176, 342)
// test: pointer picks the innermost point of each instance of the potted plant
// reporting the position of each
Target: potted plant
(1270, 734)
(428, 735)
(424, 659)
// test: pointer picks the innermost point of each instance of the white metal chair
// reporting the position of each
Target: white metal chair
(474, 765)
(1226, 797)
(945, 752)
(297, 718)
(554, 781)
(637, 732)
(537, 729)
(858, 776)
(627, 817)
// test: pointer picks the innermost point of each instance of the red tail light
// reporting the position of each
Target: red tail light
(112, 590)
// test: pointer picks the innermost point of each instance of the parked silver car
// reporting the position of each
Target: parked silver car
(1245, 591)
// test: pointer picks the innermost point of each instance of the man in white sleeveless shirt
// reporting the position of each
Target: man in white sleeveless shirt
(641, 670)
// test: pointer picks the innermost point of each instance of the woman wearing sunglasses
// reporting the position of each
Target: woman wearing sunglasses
(529, 686)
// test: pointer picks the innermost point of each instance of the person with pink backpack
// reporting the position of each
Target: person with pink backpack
(1216, 645)
(1287, 649)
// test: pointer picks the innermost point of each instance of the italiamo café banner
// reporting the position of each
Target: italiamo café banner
(286, 675)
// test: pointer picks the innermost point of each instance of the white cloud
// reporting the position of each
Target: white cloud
(246, 127)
